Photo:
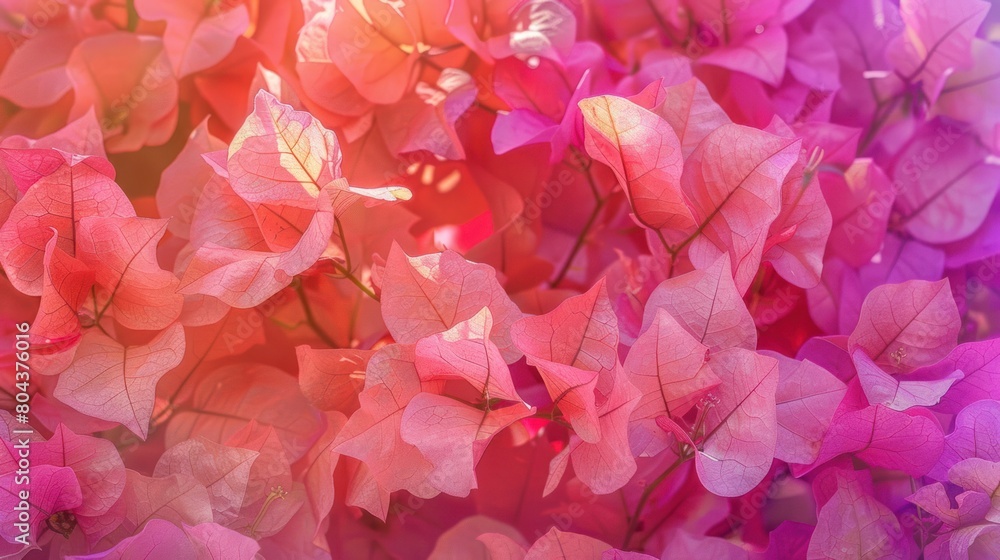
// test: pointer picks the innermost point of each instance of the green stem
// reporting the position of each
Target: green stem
(343, 243)
(354, 280)
(880, 118)
(633, 522)
(133, 15)
(346, 269)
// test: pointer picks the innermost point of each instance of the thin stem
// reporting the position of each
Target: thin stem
(670, 267)
(725, 23)
(585, 166)
(311, 319)
(633, 522)
(171, 401)
(920, 519)
(98, 313)
(480, 105)
(882, 114)
(343, 243)
(663, 240)
(580, 240)
(347, 269)
(581, 162)
(133, 15)
(353, 323)
(426, 61)
(659, 18)
(755, 289)
(553, 416)
(357, 282)
(667, 516)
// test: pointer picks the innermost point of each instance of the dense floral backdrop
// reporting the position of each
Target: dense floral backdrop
(539, 279)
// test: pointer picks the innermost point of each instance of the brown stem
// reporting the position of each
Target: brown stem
(343, 243)
(633, 522)
(580, 240)
(311, 319)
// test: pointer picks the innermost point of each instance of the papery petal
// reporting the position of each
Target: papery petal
(114, 382)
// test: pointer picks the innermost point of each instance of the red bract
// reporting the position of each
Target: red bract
(908, 441)
(465, 351)
(974, 435)
(274, 401)
(453, 436)
(667, 365)
(936, 43)
(861, 202)
(948, 200)
(732, 180)
(882, 388)
(517, 279)
(54, 489)
(35, 74)
(965, 532)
